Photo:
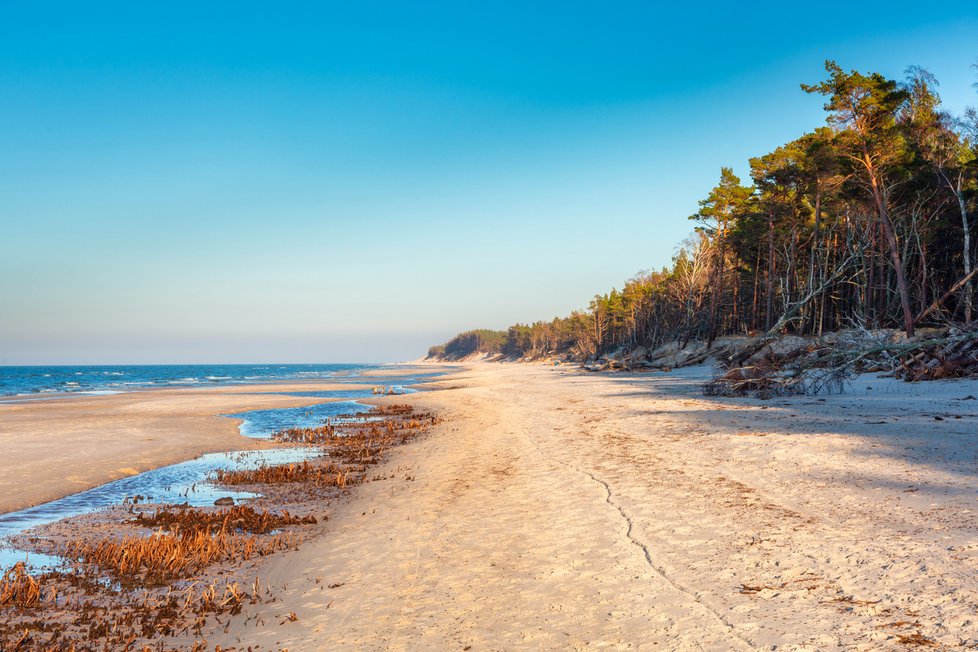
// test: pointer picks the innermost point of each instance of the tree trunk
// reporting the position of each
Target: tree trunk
(757, 276)
(736, 303)
(901, 279)
(924, 273)
(718, 287)
(894, 247)
(792, 266)
(968, 292)
(809, 325)
(869, 295)
(769, 300)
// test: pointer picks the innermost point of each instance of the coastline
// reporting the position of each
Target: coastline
(54, 447)
(559, 509)
(157, 572)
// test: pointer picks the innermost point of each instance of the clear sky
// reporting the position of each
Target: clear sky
(328, 182)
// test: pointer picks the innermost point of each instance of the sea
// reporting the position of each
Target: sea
(112, 379)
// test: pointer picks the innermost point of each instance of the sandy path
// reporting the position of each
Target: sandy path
(52, 448)
(557, 510)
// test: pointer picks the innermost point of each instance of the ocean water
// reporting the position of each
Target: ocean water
(184, 482)
(18, 381)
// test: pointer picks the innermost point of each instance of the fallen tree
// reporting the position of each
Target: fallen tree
(825, 364)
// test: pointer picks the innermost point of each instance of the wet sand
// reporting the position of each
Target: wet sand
(55, 447)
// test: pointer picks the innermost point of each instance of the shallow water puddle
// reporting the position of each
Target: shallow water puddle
(178, 483)
(261, 424)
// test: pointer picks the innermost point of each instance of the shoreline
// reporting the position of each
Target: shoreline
(556, 508)
(157, 572)
(368, 370)
(55, 447)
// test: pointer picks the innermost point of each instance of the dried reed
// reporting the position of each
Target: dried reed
(320, 475)
(18, 588)
(167, 556)
(242, 518)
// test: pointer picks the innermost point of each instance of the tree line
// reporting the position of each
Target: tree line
(862, 223)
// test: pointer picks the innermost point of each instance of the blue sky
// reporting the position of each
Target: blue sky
(318, 182)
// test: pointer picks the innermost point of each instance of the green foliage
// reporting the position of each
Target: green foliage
(436, 352)
(862, 222)
(865, 109)
(723, 203)
(465, 344)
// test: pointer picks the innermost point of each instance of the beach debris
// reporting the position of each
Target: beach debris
(291, 618)
(126, 590)
(320, 475)
(171, 555)
(953, 357)
(917, 638)
(86, 617)
(242, 518)
(780, 366)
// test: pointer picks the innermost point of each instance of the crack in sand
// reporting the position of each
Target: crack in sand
(658, 570)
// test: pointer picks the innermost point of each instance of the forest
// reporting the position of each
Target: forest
(863, 223)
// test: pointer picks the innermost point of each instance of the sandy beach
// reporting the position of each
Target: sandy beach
(55, 447)
(555, 510)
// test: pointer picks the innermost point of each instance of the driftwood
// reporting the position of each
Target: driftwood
(947, 295)
(828, 367)
(741, 355)
(792, 311)
(753, 380)
(908, 360)
(954, 357)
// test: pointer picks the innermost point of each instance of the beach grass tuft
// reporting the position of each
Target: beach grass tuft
(241, 518)
(19, 589)
(166, 556)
